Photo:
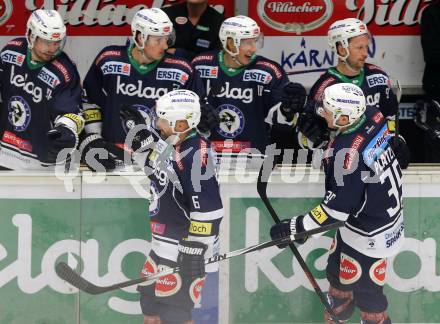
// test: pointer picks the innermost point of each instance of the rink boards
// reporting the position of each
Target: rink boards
(100, 225)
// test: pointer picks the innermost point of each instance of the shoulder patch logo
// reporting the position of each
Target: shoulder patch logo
(256, 75)
(13, 57)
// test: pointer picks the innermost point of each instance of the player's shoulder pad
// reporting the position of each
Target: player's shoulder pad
(179, 62)
(353, 144)
(112, 52)
(19, 42)
(205, 58)
(14, 52)
(324, 81)
(371, 68)
(191, 150)
(64, 68)
(269, 66)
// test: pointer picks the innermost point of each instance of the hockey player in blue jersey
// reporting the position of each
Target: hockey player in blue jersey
(349, 40)
(250, 86)
(185, 207)
(41, 97)
(363, 183)
(135, 74)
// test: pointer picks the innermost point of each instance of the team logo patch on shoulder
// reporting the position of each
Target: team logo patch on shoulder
(256, 75)
(377, 80)
(231, 121)
(19, 113)
(13, 57)
(115, 67)
(207, 72)
(48, 77)
(172, 75)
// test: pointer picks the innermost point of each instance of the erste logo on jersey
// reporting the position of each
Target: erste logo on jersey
(19, 113)
(48, 77)
(13, 57)
(256, 75)
(231, 121)
(115, 67)
(172, 75)
(377, 80)
(283, 15)
(207, 72)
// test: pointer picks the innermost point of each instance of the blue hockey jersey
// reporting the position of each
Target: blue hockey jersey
(363, 183)
(185, 198)
(245, 98)
(33, 95)
(116, 79)
(373, 81)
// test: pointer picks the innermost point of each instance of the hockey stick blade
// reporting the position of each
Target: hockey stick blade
(72, 277)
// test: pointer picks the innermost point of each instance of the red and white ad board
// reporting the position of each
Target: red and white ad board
(91, 24)
(296, 35)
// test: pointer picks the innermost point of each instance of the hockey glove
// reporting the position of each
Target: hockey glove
(143, 139)
(209, 119)
(293, 99)
(313, 127)
(287, 228)
(59, 138)
(190, 259)
(401, 150)
(99, 156)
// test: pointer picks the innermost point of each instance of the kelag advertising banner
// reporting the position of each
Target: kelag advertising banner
(296, 35)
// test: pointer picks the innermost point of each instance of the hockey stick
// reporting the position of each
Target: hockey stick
(71, 276)
(261, 188)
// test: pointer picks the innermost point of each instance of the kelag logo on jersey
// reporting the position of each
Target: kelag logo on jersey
(172, 75)
(114, 67)
(256, 75)
(19, 113)
(283, 15)
(231, 121)
(48, 77)
(207, 72)
(377, 80)
(13, 57)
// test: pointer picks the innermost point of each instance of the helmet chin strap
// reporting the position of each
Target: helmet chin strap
(350, 67)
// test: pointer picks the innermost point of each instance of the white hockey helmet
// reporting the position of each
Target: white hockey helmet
(177, 105)
(342, 30)
(238, 28)
(151, 21)
(46, 24)
(344, 99)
